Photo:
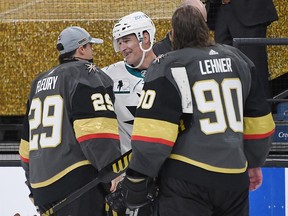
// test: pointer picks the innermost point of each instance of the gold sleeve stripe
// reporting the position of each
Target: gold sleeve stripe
(258, 127)
(91, 126)
(59, 175)
(155, 129)
(152, 140)
(24, 150)
(206, 166)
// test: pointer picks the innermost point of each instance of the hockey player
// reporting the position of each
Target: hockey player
(133, 36)
(202, 126)
(70, 129)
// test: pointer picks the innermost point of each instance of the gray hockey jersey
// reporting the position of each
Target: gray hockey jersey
(202, 107)
(70, 123)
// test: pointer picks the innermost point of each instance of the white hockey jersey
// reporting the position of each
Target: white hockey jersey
(128, 84)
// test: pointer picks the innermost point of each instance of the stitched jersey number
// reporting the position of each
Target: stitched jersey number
(218, 107)
(146, 99)
(101, 102)
(49, 114)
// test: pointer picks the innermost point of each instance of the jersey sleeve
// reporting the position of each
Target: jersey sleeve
(24, 147)
(156, 123)
(259, 125)
(95, 124)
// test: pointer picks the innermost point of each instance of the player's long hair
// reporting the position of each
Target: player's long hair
(189, 28)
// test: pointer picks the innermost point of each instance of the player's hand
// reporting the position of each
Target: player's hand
(255, 177)
(116, 199)
(132, 193)
(115, 182)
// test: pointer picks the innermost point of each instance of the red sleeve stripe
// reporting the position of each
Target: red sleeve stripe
(98, 136)
(153, 140)
(258, 136)
(25, 160)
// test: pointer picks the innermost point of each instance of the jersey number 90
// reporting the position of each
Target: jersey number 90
(229, 103)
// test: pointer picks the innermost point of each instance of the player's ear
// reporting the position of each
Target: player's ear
(80, 50)
(146, 39)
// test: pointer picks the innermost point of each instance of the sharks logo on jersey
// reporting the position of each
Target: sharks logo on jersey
(121, 86)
